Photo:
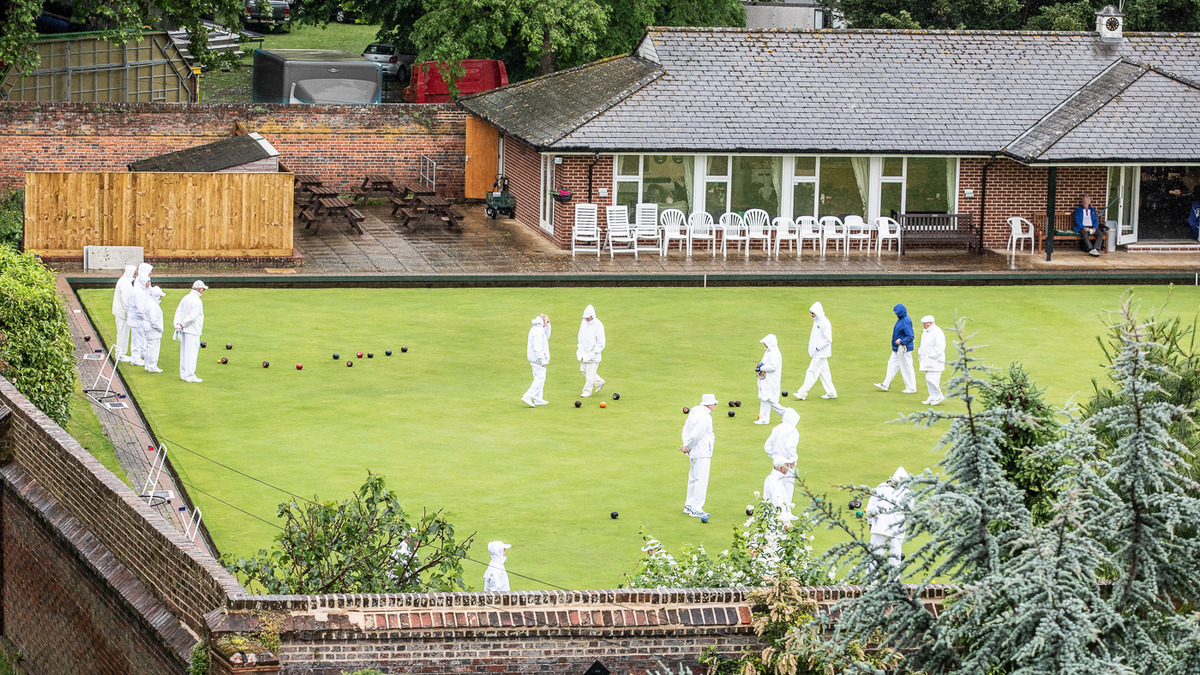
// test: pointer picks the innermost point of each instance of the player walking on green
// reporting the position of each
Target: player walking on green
(698, 440)
(588, 351)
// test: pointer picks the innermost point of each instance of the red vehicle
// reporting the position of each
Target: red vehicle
(428, 86)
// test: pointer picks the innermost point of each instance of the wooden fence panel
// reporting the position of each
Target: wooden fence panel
(170, 215)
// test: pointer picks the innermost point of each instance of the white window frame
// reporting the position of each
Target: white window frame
(702, 201)
(618, 179)
(546, 212)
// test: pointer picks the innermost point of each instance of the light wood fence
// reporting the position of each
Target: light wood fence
(170, 215)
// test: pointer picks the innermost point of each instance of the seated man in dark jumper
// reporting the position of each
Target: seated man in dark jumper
(1091, 230)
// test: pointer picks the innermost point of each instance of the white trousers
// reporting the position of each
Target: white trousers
(818, 368)
(122, 344)
(137, 342)
(536, 389)
(892, 546)
(933, 382)
(189, 350)
(153, 345)
(901, 361)
(591, 379)
(779, 488)
(697, 485)
(765, 407)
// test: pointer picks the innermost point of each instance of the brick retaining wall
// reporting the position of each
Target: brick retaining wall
(340, 143)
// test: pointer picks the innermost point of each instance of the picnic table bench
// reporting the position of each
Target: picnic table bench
(330, 208)
(406, 197)
(372, 184)
(315, 192)
(434, 206)
(940, 228)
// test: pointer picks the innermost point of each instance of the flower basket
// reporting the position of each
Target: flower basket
(561, 196)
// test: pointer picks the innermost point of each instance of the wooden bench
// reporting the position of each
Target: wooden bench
(940, 228)
(398, 203)
(1064, 230)
(409, 215)
(355, 215)
(309, 217)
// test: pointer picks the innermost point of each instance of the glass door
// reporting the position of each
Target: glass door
(547, 211)
(1123, 193)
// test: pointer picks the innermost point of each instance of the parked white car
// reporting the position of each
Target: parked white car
(389, 58)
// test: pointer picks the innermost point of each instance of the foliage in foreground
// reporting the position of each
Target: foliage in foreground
(365, 544)
(1030, 596)
(763, 548)
(36, 352)
(12, 218)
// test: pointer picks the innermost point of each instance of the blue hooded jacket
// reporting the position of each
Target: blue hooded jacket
(903, 330)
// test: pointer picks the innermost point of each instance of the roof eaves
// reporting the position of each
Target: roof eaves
(1056, 113)
(607, 105)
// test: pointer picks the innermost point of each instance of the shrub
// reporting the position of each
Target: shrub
(12, 218)
(36, 352)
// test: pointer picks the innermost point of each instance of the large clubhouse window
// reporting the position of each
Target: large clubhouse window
(665, 180)
(790, 186)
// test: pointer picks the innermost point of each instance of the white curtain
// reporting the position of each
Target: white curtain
(777, 180)
(951, 184)
(862, 176)
(689, 174)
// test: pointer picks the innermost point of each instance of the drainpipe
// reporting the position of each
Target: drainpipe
(1051, 194)
(983, 201)
(591, 167)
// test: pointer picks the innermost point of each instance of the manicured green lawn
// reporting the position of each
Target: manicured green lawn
(444, 422)
(217, 86)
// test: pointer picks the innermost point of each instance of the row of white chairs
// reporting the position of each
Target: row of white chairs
(654, 231)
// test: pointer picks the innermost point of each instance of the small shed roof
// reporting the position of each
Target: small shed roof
(1027, 94)
(215, 156)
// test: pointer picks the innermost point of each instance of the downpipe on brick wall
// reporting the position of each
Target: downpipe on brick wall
(591, 167)
(983, 200)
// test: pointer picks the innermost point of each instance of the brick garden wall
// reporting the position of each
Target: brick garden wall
(114, 570)
(337, 142)
(1018, 190)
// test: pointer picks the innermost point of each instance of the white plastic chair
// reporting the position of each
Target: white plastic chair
(701, 228)
(889, 229)
(733, 228)
(758, 228)
(674, 227)
(646, 232)
(1021, 230)
(619, 232)
(833, 230)
(809, 229)
(857, 230)
(585, 233)
(785, 230)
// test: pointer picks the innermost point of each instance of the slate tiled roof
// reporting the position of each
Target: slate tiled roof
(878, 91)
(216, 156)
(545, 109)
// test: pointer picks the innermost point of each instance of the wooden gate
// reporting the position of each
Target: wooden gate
(170, 215)
(483, 148)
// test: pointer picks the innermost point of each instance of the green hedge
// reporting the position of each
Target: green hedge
(36, 352)
(12, 218)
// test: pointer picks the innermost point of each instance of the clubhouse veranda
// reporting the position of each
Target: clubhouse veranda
(866, 122)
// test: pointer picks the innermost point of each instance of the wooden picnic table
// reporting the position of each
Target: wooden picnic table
(407, 194)
(305, 181)
(316, 192)
(433, 205)
(372, 184)
(330, 208)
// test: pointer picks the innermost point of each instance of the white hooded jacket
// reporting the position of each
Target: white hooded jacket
(784, 439)
(885, 508)
(495, 577)
(591, 338)
(537, 347)
(189, 315)
(697, 435)
(772, 364)
(820, 340)
(153, 315)
(121, 293)
(135, 306)
(932, 352)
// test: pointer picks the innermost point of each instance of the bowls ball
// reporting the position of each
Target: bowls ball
(387, 352)
(224, 360)
(578, 404)
(616, 396)
(731, 404)
(737, 404)
(731, 413)
(370, 355)
(336, 356)
(266, 364)
(228, 345)
(404, 349)
(359, 355)
(203, 345)
(855, 503)
(87, 338)
(613, 515)
(784, 393)
(704, 519)
(749, 509)
(603, 404)
(299, 366)
(349, 364)
(858, 513)
(686, 410)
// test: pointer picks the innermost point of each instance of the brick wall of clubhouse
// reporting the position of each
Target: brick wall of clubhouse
(341, 144)
(629, 631)
(522, 165)
(1013, 190)
(91, 575)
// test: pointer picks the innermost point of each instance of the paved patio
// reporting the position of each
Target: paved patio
(505, 247)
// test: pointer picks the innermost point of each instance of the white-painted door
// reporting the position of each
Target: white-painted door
(1124, 189)
(547, 201)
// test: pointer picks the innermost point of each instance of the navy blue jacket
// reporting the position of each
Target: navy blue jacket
(1079, 218)
(903, 330)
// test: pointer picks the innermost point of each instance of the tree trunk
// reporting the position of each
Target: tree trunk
(546, 63)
